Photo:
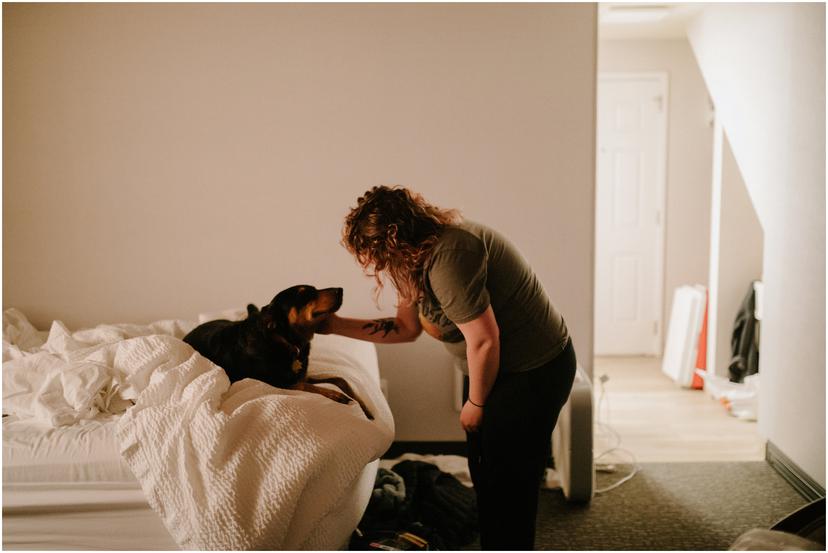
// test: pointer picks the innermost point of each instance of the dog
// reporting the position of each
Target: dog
(272, 344)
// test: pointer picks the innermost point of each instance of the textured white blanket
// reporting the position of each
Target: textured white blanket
(242, 467)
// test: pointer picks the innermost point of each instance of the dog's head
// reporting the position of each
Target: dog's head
(279, 334)
(294, 314)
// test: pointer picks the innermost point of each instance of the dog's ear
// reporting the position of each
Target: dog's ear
(252, 310)
(269, 318)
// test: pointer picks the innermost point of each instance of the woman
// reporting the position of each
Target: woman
(467, 286)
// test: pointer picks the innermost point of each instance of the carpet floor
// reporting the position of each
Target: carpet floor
(667, 506)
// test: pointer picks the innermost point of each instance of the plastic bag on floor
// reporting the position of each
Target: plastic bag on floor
(741, 399)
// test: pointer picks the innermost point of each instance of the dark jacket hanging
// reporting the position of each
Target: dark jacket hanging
(744, 343)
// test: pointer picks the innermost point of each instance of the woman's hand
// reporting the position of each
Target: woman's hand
(483, 353)
(471, 417)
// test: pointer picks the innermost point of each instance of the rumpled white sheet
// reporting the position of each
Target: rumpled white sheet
(60, 377)
(242, 467)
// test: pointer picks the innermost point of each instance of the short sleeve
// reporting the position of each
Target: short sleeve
(458, 281)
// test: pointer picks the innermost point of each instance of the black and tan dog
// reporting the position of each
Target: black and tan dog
(272, 345)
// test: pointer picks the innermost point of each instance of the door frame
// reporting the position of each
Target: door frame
(662, 78)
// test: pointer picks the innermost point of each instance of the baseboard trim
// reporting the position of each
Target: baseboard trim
(790, 471)
(426, 448)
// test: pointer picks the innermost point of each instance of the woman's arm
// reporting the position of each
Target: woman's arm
(483, 354)
(405, 327)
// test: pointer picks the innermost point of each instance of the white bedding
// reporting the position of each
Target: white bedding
(34, 452)
(114, 528)
(225, 468)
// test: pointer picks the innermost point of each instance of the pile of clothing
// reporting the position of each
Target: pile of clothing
(418, 498)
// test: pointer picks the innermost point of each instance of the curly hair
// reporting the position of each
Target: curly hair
(392, 230)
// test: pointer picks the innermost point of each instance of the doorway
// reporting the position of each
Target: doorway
(630, 207)
(642, 414)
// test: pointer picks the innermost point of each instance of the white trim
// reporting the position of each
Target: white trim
(662, 78)
(715, 240)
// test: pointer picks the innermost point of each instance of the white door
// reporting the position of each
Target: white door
(629, 218)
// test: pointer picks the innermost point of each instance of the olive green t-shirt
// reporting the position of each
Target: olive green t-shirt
(472, 267)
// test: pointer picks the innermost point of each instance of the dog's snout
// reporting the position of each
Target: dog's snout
(330, 299)
(339, 294)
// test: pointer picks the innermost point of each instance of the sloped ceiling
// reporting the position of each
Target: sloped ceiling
(645, 21)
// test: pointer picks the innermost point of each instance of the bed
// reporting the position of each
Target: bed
(195, 463)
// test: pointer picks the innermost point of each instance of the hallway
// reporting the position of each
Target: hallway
(658, 421)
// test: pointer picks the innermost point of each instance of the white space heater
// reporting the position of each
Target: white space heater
(572, 442)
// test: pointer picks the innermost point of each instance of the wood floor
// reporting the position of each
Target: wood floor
(658, 421)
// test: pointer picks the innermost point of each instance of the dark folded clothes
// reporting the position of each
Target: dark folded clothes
(417, 497)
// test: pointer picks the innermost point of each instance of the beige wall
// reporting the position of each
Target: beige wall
(166, 160)
(689, 154)
(764, 65)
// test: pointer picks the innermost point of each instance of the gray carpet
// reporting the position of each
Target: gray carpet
(668, 506)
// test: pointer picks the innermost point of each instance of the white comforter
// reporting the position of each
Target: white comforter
(246, 466)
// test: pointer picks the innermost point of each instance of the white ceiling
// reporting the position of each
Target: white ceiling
(671, 23)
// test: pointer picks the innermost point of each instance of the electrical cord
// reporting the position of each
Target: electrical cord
(616, 446)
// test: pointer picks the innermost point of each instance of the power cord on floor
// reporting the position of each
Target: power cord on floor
(616, 446)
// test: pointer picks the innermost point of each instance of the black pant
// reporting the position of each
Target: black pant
(508, 455)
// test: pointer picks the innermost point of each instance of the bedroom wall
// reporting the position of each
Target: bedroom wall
(764, 65)
(163, 160)
(689, 153)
